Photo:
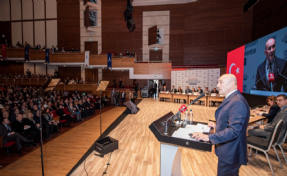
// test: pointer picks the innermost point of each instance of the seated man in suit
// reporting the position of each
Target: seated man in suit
(74, 112)
(8, 135)
(13, 116)
(199, 91)
(45, 124)
(271, 64)
(61, 113)
(214, 91)
(264, 131)
(85, 110)
(19, 127)
(187, 90)
(206, 91)
(173, 90)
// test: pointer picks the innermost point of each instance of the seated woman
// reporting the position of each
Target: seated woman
(49, 116)
(271, 101)
(179, 90)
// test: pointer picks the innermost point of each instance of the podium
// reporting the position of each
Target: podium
(170, 147)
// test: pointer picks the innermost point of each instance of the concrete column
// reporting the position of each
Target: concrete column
(100, 74)
(83, 75)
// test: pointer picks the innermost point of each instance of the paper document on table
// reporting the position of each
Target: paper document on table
(198, 128)
(27, 127)
(182, 133)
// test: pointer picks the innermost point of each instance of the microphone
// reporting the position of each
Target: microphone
(183, 107)
(271, 78)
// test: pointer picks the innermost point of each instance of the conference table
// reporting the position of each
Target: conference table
(189, 97)
(254, 118)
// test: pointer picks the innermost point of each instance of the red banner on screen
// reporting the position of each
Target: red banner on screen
(235, 65)
(4, 55)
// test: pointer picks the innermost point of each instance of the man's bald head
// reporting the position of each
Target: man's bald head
(270, 47)
(227, 83)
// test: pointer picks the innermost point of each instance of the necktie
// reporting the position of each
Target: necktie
(8, 128)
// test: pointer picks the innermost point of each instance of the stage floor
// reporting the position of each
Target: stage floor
(139, 150)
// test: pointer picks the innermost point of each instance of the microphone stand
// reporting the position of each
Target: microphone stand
(281, 74)
(256, 83)
(173, 117)
(41, 135)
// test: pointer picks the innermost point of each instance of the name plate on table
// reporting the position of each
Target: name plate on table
(221, 95)
(161, 91)
(189, 93)
(166, 92)
(213, 94)
(183, 93)
(195, 93)
(177, 93)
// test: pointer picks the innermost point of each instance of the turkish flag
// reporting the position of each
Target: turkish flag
(235, 65)
(4, 55)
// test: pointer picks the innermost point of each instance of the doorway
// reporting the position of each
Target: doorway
(92, 47)
(154, 85)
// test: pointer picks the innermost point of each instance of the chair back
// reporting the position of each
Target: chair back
(65, 110)
(275, 134)
(283, 135)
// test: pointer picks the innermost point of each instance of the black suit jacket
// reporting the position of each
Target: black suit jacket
(4, 132)
(272, 113)
(12, 117)
(279, 80)
(18, 127)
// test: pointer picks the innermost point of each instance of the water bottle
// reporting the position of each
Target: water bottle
(190, 117)
(186, 116)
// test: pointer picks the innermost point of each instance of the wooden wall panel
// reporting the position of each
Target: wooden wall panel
(268, 18)
(110, 75)
(91, 75)
(11, 67)
(212, 26)
(16, 31)
(4, 10)
(68, 24)
(27, 10)
(71, 72)
(28, 31)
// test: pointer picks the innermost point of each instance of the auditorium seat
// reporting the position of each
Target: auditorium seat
(7, 145)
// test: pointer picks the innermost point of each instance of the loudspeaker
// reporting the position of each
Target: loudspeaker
(106, 145)
(132, 107)
(131, 25)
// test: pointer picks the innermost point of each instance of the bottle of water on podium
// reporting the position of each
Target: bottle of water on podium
(191, 117)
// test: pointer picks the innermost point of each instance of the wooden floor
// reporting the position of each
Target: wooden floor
(139, 150)
(62, 153)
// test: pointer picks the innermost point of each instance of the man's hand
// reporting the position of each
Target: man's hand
(50, 123)
(38, 125)
(261, 127)
(211, 124)
(12, 133)
(200, 136)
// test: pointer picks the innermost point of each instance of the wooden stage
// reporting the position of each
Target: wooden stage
(139, 150)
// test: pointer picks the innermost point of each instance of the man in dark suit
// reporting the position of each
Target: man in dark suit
(13, 116)
(8, 135)
(123, 97)
(85, 110)
(173, 90)
(19, 127)
(265, 131)
(271, 64)
(232, 118)
(61, 113)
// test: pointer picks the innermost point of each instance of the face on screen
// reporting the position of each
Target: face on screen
(270, 49)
